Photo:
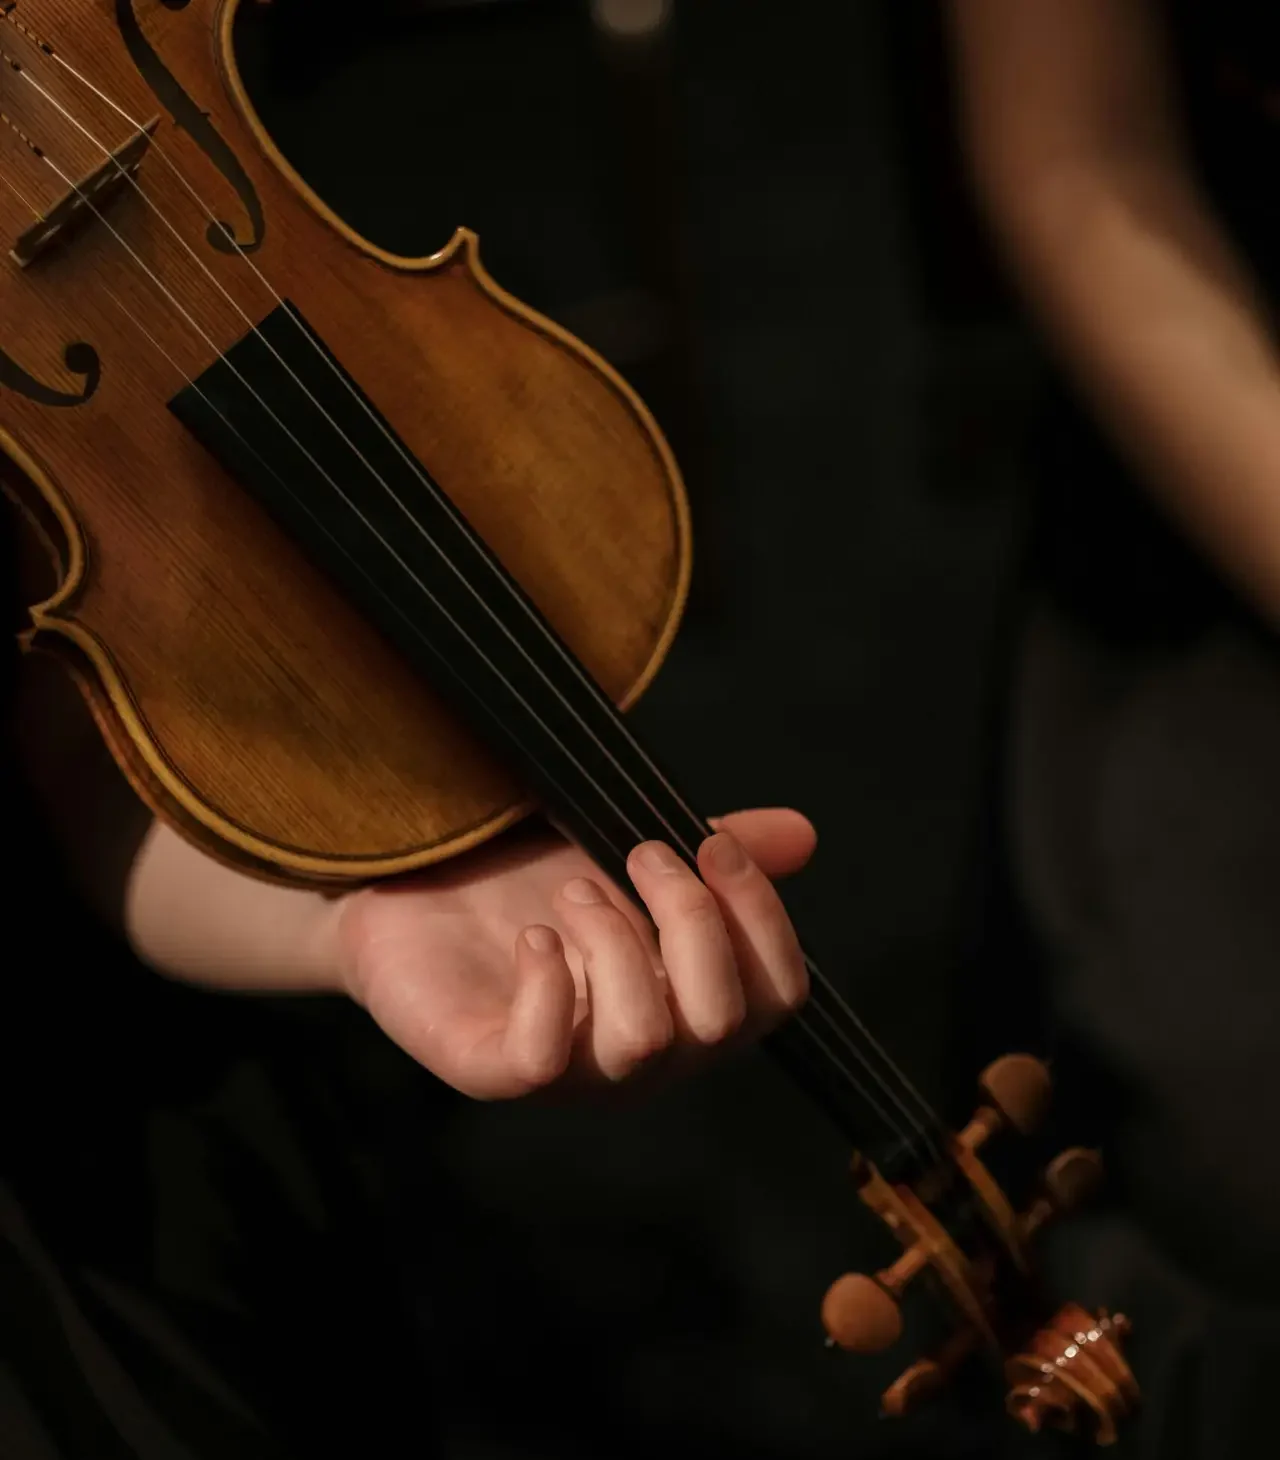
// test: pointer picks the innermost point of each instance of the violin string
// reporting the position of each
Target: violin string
(409, 622)
(21, 197)
(346, 500)
(576, 668)
(836, 1062)
(593, 689)
(814, 972)
(415, 629)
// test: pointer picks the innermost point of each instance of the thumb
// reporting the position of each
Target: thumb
(780, 841)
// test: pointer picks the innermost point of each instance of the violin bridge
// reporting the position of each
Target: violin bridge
(81, 203)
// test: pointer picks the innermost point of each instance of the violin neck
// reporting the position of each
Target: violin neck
(404, 556)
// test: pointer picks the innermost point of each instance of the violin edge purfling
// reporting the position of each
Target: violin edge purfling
(200, 767)
(269, 501)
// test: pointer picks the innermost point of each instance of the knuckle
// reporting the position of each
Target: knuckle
(607, 920)
(694, 903)
(602, 931)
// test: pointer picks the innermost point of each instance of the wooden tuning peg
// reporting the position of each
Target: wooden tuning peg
(1069, 1181)
(861, 1313)
(1019, 1087)
(1073, 1177)
(1017, 1090)
(1067, 1375)
(860, 1316)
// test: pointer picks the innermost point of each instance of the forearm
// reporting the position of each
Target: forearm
(185, 914)
(194, 919)
(1074, 131)
(1156, 319)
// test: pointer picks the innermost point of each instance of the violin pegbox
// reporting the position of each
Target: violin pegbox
(1069, 1374)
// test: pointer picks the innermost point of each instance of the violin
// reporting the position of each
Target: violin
(360, 560)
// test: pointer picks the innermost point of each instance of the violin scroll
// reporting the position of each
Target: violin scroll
(1069, 1374)
(1071, 1367)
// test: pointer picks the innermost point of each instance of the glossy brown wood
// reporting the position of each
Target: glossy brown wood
(1073, 1368)
(247, 704)
(860, 1314)
(1070, 1374)
(1019, 1087)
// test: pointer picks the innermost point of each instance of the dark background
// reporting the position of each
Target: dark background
(760, 219)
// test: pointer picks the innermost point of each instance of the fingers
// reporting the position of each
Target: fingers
(769, 959)
(513, 1050)
(630, 1020)
(732, 958)
(779, 841)
(726, 961)
(704, 988)
(538, 1040)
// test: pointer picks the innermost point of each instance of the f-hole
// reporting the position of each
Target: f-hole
(196, 124)
(80, 359)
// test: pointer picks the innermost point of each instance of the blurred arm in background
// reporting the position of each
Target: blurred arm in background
(1071, 122)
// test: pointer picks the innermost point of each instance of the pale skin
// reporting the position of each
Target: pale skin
(494, 974)
(521, 968)
(1073, 131)
(517, 969)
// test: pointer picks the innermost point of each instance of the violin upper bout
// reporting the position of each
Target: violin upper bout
(250, 704)
(461, 253)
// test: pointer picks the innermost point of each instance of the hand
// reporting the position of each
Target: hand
(522, 966)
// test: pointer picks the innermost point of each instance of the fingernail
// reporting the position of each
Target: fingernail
(726, 854)
(659, 858)
(542, 940)
(582, 891)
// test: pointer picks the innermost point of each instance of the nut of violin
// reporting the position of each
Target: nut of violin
(1019, 1087)
(1072, 1178)
(860, 1316)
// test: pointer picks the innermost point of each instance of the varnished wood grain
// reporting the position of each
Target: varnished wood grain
(248, 705)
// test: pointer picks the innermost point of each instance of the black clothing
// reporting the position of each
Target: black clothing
(1145, 835)
(189, 1262)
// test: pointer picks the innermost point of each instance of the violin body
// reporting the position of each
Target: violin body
(291, 487)
(247, 702)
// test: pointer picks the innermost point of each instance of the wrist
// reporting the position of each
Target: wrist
(191, 918)
(328, 944)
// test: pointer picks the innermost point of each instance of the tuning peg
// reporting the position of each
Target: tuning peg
(860, 1316)
(861, 1312)
(1019, 1087)
(1069, 1181)
(1073, 1177)
(1069, 1372)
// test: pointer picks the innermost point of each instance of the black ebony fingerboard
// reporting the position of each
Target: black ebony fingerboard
(288, 422)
